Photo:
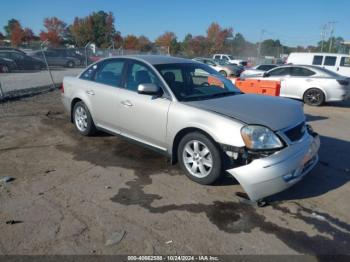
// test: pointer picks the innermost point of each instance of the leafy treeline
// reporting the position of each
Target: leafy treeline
(99, 28)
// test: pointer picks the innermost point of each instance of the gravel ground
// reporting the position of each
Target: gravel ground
(32, 79)
(76, 195)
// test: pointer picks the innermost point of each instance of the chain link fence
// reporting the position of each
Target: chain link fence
(29, 71)
(37, 69)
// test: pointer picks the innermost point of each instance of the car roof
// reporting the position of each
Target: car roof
(157, 59)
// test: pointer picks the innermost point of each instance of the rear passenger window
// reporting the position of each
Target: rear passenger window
(110, 73)
(330, 60)
(345, 61)
(89, 73)
(300, 71)
(317, 60)
(217, 57)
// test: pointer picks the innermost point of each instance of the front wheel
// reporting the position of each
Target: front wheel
(314, 97)
(83, 120)
(199, 158)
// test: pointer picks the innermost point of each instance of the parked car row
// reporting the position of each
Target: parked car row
(222, 67)
(21, 60)
(14, 59)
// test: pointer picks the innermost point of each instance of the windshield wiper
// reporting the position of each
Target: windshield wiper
(204, 97)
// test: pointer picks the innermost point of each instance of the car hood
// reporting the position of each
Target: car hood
(273, 112)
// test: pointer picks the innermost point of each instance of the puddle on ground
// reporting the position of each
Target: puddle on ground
(230, 217)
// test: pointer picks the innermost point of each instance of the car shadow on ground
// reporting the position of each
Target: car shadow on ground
(332, 172)
(311, 118)
(345, 103)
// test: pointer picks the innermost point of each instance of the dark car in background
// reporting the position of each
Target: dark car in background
(5, 48)
(54, 58)
(7, 65)
(23, 61)
(71, 53)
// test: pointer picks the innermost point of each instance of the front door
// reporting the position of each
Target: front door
(143, 117)
(280, 74)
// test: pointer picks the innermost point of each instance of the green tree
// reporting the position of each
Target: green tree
(98, 28)
(10, 26)
(103, 29)
(271, 47)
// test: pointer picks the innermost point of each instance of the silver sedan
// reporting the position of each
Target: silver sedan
(195, 116)
(314, 85)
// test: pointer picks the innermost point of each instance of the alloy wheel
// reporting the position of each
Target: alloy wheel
(81, 118)
(197, 158)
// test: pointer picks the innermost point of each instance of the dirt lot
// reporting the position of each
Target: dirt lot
(72, 193)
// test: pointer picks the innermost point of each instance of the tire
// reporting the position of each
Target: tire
(70, 64)
(5, 69)
(223, 73)
(204, 164)
(82, 119)
(314, 97)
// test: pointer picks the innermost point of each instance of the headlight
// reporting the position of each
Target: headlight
(259, 137)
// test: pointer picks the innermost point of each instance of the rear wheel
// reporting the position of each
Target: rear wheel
(314, 97)
(199, 158)
(70, 64)
(83, 120)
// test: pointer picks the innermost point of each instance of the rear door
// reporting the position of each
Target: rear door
(279, 74)
(102, 89)
(300, 79)
(344, 67)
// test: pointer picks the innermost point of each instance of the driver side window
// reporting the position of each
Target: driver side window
(140, 74)
(280, 71)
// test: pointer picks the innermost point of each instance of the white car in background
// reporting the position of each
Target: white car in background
(257, 70)
(314, 85)
(338, 63)
(230, 59)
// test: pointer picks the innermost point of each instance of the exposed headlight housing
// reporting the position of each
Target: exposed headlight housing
(258, 137)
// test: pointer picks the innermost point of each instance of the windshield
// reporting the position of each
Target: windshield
(231, 57)
(193, 81)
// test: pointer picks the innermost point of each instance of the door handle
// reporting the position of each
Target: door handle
(90, 92)
(126, 103)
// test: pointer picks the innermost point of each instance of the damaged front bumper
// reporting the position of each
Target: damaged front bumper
(272, 174)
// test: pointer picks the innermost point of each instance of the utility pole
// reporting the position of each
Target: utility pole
(331, 26)
(261, 38)
(323, 35)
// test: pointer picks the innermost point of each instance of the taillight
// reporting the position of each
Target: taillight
(62, 88)
(343, 82)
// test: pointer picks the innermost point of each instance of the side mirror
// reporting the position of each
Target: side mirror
(266, 74)
(149, 89)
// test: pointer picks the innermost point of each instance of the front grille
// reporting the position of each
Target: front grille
(296, 133)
